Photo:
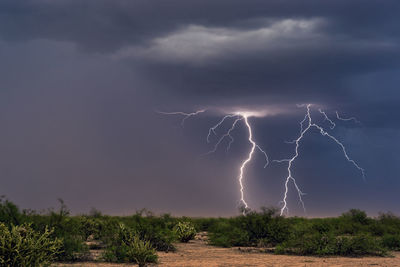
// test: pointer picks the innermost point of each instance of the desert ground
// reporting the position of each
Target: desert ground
(198, 253)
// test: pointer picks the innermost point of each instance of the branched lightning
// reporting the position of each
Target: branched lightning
(244, 163)
(227, 134)
(186, 115)
(347, 119)
(238, 117)
(303, 131)
(212, 129)
(306, 124)
(333, 125)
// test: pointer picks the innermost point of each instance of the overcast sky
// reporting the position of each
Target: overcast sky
(81, 81)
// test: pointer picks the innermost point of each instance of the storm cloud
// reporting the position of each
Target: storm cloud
(224, 47)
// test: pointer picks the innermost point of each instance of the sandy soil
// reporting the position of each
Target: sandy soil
(198, 253)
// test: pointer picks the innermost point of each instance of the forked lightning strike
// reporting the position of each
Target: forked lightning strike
(186, 115)
(333, 125)
(253, 147)
(238, 117)
(305, 125)
(227, 134)
(290, 161)
(212, 129)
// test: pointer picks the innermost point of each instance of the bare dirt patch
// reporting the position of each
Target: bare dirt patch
(197, 253)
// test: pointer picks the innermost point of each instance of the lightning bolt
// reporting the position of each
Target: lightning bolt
(215, 127)
(305, 125)
(227, 134)
(249, 158)
(238, 117)
(184, 114)
(326, 118)
(303, 131)
(347, 119)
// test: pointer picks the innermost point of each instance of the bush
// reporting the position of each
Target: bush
(22, 246)
(327, 244)
(128, 247)
(391, 242)
(359, 245)
(141, 251)
(66, 228)
(157, 230)
(265, 228)
(357, 216)
(224, 234)
(91, 227)
(185, 231)
(9, 212)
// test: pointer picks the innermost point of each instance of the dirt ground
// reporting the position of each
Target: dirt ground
(198, 253)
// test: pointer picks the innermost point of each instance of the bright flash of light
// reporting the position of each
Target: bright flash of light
(244, 163)
(303, 130)
(306, 124)
(238, 116)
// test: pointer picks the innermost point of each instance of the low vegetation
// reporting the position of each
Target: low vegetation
(127, 246)
(185, 231)
(23, 246)
(351, 234)
(28, 238)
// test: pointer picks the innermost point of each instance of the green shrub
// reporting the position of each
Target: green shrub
(391, 242)
(91, 226)
(185, 231)
(22, 246)
(316, 244)
(157, 230)
(328, 244)
(128, 247)
(265, 228)
(204, 224)
(9, 212)
(225, 234)
(358, 245)
(73, 249)
(141, 251)
(66, 228)
(356, 215)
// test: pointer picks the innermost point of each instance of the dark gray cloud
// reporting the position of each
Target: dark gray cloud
(225, 48)
(107, 25)
(80, 81)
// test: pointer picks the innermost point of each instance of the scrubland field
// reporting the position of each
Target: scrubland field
(261, 238)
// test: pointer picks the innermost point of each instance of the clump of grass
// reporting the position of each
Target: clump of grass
(185, 231)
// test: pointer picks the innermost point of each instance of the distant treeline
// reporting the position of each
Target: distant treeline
(28, 238)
